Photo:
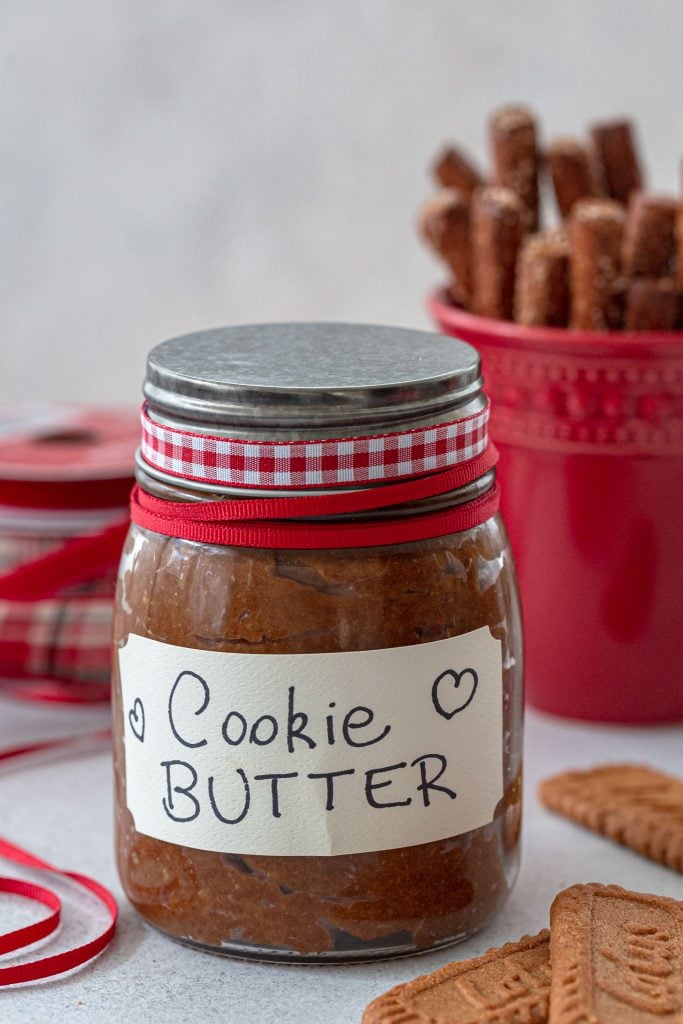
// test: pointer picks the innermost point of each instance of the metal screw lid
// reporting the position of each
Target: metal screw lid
(279, 381)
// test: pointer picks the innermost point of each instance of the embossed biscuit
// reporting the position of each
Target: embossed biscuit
(507, 985)
(617, 957)
(632, 804)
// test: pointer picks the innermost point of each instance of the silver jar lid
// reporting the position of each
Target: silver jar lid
(279, 381)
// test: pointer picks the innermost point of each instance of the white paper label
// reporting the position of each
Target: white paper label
(313, 754)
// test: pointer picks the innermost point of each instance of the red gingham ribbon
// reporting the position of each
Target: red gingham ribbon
(332, 462)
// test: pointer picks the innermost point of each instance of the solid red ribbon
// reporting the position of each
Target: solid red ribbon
(77, 561)
(65, 496)
(61, 743)
(49, 966)
(22, 938)
(292, 523)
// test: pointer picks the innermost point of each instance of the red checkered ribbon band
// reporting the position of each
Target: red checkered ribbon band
(332, 462)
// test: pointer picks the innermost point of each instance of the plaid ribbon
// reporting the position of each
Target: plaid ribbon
(323, 463)
(62, 643)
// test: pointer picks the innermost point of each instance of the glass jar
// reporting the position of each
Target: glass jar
(317, 747)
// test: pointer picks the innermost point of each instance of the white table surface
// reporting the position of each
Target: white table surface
(61, 809)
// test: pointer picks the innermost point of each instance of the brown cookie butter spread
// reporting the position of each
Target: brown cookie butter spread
(414, 736)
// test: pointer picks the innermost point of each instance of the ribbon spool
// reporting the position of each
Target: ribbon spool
(65, 477)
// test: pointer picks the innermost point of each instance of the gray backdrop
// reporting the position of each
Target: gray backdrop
(169, 165)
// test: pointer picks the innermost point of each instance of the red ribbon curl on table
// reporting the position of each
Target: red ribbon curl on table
(22, 938)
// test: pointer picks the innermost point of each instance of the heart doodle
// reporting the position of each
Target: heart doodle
(441, 692)
(136, 717)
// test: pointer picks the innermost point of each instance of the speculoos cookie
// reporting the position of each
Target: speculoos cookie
(617, 957)
(507, 985)
(634, 805)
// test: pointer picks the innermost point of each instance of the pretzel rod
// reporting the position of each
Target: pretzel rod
(679, 245)
(651, 305)
(512, 136)
(542, 286)
(650, 236)
(572, 171)
(445, 226)
(452, 169)
(616, 147)
(617, 261)
(596, 229)
(497, 232)
(597, 170)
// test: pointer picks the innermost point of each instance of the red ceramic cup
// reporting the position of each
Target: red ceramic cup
(590, 431)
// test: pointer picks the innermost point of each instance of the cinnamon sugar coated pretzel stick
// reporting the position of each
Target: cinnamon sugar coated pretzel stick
(452, 169)
(679, 240)
(650, 235)
(542, 285)
(651, 305)
(616, 147)
(512, 137)
(445, 226)
(497, 232)
(572, 173)
(596, 229)
(621, 262)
